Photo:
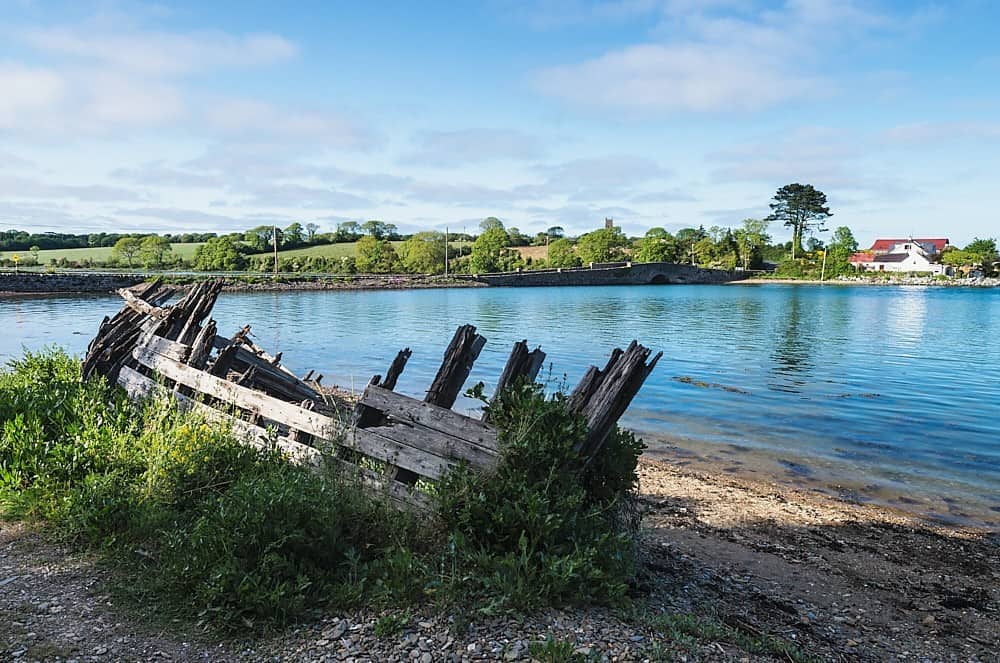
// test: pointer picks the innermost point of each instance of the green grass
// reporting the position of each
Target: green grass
(96, 254)
(335, 251)
(201, 526)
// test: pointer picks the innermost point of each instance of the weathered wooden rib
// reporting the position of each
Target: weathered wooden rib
(149, 348)
(461, 354)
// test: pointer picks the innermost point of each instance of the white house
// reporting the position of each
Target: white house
(901, 255)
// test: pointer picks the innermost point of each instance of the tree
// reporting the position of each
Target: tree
(604, 245)
(423, 253)
(311, 230)
(657, 246)
(259, 238)
(294, 234)
(517, 238)
(488, 250)
(555, 232)
(127, 248)
(218, 254)
(983, 253)
(751, 238)
(686, 240)
(375, 256)
(562, 254)
(489, 223)
(153, 250)
(348, 231)
(801, 207)
(378, 229)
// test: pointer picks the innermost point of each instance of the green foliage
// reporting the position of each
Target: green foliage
(219, 254)
(378, 229)
(375, 256)
(423, 253)
(197, 520)
(127, 248)
(551, 650)
(687, 631)
(751, 238)
(801, 207)
(562, 254)
(657, 246)
(545, 527)
(604, 245)
(235, 532)
(390, 624)
(490, 252)
(153, 251)
(982, 253)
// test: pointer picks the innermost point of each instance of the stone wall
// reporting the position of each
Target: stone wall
(35, 282)
(651, 273)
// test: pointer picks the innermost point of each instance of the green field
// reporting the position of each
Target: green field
(336, 251)
(96, 254)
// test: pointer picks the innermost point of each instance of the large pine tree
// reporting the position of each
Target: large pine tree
(803, 208)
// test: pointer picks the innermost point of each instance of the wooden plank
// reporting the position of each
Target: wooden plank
(312, 423)
(141, 306)
(268, 407)
(435, 445)
(406, 409)
(164, 347)
(138, 385)
(377, 443)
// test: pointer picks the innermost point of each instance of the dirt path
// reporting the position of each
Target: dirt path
(842, 581)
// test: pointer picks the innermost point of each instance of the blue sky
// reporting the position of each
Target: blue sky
(221, 116)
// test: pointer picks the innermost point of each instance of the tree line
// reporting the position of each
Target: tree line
(379, 247)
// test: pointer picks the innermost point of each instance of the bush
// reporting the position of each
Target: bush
(546, 527)
(197, 520)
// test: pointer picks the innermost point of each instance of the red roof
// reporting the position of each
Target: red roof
(887, 244)
(863, 256)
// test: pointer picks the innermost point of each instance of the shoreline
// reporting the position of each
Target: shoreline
(839, 581)
(866, 282)
(799, 473)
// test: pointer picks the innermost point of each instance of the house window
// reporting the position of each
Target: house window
(906, 246)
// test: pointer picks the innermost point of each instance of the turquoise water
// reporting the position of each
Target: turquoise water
(887, 394)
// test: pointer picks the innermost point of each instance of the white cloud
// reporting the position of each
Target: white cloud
(27, 90)
(720, 57)
(301, 196)
(262, 121)
(478, 145)
(12, 186)
(185, 219)
(921, 133)
(154, 53)
(682, 77)
(12, 161)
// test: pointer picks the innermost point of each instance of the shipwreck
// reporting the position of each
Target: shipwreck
(151, 346)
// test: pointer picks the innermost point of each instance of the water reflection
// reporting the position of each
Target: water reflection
(795, 343)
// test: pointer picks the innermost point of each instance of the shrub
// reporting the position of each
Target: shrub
(545, 527)
(196, 519)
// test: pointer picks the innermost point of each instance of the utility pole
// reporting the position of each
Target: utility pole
(274, 237)
(446, 251)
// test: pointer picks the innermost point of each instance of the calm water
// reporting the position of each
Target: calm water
(884, 394)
